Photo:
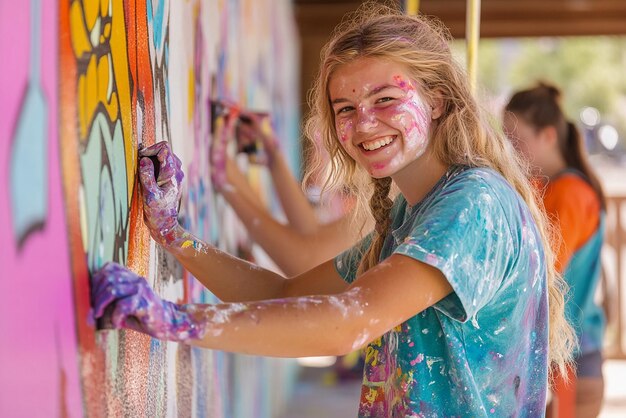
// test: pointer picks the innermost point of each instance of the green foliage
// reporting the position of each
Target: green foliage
(590, 71)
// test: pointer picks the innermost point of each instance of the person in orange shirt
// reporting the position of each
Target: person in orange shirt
(573, 198)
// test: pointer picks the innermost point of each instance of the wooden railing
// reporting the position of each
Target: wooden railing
(614, 277)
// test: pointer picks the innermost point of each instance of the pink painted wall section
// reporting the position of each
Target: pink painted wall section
(38, 354)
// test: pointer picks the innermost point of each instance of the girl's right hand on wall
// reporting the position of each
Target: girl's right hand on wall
(122, 299)
(161, 194)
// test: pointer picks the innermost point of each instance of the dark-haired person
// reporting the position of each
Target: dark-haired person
(535, 122)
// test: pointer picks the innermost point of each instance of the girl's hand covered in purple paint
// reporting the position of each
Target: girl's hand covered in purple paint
(161, 195)
(122, 299)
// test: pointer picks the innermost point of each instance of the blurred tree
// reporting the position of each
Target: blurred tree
(589, 70)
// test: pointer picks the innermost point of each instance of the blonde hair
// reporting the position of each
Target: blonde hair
(460, 136)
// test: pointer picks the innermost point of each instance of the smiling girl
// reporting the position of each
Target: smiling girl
(453, 295)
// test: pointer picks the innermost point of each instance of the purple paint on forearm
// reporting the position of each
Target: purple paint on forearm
(122, 299)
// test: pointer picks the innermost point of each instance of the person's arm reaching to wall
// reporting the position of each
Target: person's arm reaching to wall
(231, 279)
(302, 243)
(335, 320)
(295, 204)
(296, 312)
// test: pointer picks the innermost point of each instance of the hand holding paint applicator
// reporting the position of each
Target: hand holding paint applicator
(256, 138)
(161, 156)
(153, 158)
(162, 190)
(223, 120)
(251, 129)
(122, 299)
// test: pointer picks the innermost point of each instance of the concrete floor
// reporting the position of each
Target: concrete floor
(316, 396)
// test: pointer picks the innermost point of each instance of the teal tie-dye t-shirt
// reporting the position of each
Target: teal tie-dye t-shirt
(482, 350)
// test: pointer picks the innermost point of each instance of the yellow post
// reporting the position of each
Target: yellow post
(472, 36)
(412, 7)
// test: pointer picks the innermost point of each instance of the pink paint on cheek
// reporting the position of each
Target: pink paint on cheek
(419, 116)
(408, 117)
(412, 105)
(343, 130)
(414, 125)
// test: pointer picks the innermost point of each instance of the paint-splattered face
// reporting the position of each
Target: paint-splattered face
(382, 121)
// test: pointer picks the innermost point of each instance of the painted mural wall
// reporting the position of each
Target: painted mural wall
(82, 84)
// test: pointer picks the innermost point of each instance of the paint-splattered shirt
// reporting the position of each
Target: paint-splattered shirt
(482, 350)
